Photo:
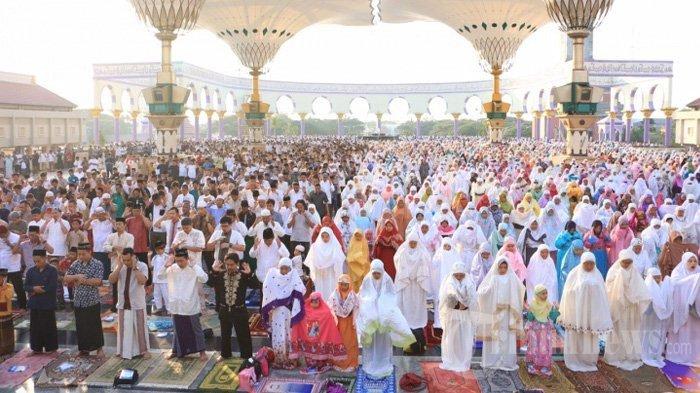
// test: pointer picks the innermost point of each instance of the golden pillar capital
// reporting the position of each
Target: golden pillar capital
(117, 113)
(135, 114)
(302, 115)
(537, 114)
(197, 112)
(341, 115)
(647, 113)
(210, 113)
(379, 115)
(419, 115)
(629, 114)
(669, 111)
(613, 115)
(240, 115)
(222, 114)
(551, 113)
(95, 112)
(518, 115)
(456, 115)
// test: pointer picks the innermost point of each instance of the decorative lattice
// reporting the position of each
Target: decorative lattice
(497, 51)
(572, 15)
(169, 15)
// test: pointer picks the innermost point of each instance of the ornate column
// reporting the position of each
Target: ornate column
(668, 135)
(419, 116)
(117, 124)
(611, 126)
(536, 117)
(95, 113)
(518, 124)
(209, 113)
(379, 121)
(628, 126)
(302, 123)
(341, 116)
(647, 124)
(134, 125)
(550, 114)
(455, 123)
(222, 116)
(197, 112)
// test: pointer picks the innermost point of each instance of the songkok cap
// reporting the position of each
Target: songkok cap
(3, 272)
(33, 228)
(181, 253)
(39, 253)
(128, 251)
(84, 246)
(120, 219)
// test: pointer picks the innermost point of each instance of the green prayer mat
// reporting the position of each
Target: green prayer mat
(223, 376)
(104, 376)
(557, 383)
(175, 373)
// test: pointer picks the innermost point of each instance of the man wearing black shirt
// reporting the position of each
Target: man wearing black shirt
(230, 283)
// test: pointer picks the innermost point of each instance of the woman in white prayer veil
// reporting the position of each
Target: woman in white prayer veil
(640, 258)
(652, 240)
(551, 224)
(325, 262)
(412, 286)
(443, 260)
(468, 214)
(585, 314)
(457, 305)
(584, 214)
(541, 271)
(629, 299)
(500, 298)
(467, 239)
(683, 345)
(380, 323)
(605, 212)
(655, 321)
(481, 263)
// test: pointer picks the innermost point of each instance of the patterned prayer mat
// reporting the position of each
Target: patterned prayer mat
(557, 383)
(589, 382)
(22, 366)
(64, 321)
(643, 379)
(347, 381)
(492, 381)
(289, 385)
(444, 381)
(175, 373)
(109, 322)
(256, 327)
(68, 369)
(223, 376)
(159, 324)
(367, 384)
(682, 377)
(104, 376)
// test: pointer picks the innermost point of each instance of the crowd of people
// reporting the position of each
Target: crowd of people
(344, 243)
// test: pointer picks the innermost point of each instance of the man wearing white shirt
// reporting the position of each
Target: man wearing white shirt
(183, 196)
(114, 244)
(226, 240)
(101, 227)
(191, 240)
(264, 221)
(170, 224)
(55, 231)
(184, 279)
(11, 259)
(268, 250)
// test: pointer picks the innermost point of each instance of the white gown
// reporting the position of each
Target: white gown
(655, 321)
(325, 262)
(458, 329)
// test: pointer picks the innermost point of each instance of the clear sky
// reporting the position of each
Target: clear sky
(59, 40)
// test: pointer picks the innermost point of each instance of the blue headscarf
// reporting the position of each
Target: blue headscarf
(569, 262)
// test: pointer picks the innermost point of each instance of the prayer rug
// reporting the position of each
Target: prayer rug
(555, 384)
(68, 369)
(289, 385)
(588, 382)
(367, 384)
(643, 379)
(109, 322)
(160, 324)
(104, 376)
(347, 381)
(492, 381)
(444, 381)
(256, 326)
(175, 373)
(65, 322)
(682, 377)
(22, 366)
(105, 292)
(223, 376)
(211, 321)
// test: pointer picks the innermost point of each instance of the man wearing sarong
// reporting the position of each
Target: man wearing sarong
(40, 284)
(7, 330)
(85, 275)
(183, 303)
(130, 276)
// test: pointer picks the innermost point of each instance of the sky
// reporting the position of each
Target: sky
(59, 40)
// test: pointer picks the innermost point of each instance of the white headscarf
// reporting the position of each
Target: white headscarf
(661, 299)
(584, 303)
(281, 289)
(323, 255)
(641, 261)
(461, 291)
(625, 286)
(584, 213)
(552, 225)
(490, 298)
(480, 266)
(412, 263)
(686, 285)
(652, 239)
(542, 271)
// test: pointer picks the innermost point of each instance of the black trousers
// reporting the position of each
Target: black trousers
(43, 335)
(236, 318)
(419, 346)
(15, 278)
(89, 328)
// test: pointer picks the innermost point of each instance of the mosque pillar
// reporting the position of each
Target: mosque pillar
(455, 123)
(182, 131)
(668, 135)
(628, 126)
(550, 115)
(134, 125)
(518, 124)
(341, 116)
(379, 122)
(239, 120)
(210, 113)
(419, 115)
(536, 116)
(268, 124)
(196, 112)
(150, 131)
(117, 124)
(647, 124)
(95, 113)
(302, 124)
(611, 126)
(222, 115)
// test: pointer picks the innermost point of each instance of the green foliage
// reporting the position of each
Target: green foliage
(467, 127)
